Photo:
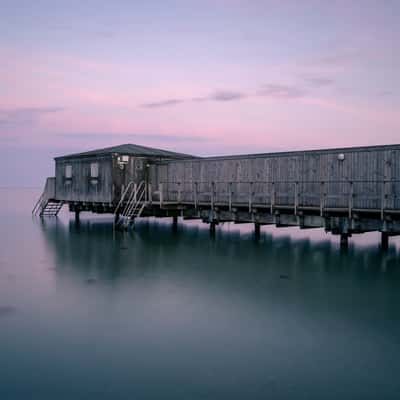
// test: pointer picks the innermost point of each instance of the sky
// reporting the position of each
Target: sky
(202, 77)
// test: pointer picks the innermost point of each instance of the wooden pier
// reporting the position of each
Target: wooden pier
(344, 191)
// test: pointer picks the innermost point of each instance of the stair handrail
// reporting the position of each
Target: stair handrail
(141, 209)
(131, 201)
(131, 206)
(123, 196)
(39, 201)
(132, 211)
(38, 204)
(136, 205)
(132, 198)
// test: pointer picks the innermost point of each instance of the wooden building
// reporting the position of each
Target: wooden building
(345, 190)
(100, 176)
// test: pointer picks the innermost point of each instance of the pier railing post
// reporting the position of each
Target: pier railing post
(322, 199)
(150, 193)
(160, 189)
(212, 194)
(250, 196)
(179, 192)
(383, 199)
(230, 195)
(296, 199)
(195, 195)
(351, 194)
(273, 197)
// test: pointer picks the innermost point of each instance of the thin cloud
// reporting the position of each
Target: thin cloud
(281, 91)
(318, 81)
(386, 93)
(219, 95)
(164, 103)
(278, 91)
(227, 95)
(15, 116)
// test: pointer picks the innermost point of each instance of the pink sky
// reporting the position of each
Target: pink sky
(216, 78)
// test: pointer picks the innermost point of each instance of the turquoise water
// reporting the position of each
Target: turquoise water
(157, 314)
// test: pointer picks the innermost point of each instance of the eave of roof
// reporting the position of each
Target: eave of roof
(129, 149)
(299, 152)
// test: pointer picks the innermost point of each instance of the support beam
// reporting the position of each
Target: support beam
(212, 228)
(77, 220)
(175, 223)
(384, 240)
(257, 231)
(344, 240)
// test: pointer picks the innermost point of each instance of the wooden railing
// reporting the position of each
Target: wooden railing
(324, 195)
(49, 193)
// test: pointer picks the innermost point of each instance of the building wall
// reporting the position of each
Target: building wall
(81, 186)
(278, 173)
(134, 170)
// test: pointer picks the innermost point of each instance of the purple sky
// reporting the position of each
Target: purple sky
(205, 77)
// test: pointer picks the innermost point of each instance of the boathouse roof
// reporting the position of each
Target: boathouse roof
(129, 149)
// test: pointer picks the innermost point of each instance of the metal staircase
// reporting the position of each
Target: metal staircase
(131, 205)
(47, 205)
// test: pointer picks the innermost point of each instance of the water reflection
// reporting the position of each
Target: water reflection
(91, 247)
(156, 314)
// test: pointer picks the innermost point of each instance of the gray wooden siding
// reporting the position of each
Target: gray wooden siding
(368, 174)
(81, 187)
(133, 171)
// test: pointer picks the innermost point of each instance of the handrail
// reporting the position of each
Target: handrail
(326, 181)
(129, 202)
(136, 204)
(131, 206)
(123, 196)
(133, 196)
(36, 207)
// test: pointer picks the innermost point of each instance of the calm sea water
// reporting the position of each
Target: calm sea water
(157, 314)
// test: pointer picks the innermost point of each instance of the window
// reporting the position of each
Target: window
(68, 171)
(122, 161)
(94, 170)
(139, 164)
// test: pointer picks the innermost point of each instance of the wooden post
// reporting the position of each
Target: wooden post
(322, 198)
(150, 193)
(257, 231)
(296, 200)
(195, 195)
(384, 240)
(383, 198)
(351, 194)
(179, 192)
(344, 240)
(174, 223)
(250, 196)
(212, 228)
(230, 195)
(273, 198)
(160, 189)
(212, 195)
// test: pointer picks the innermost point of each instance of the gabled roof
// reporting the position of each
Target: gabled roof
(129, 149)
